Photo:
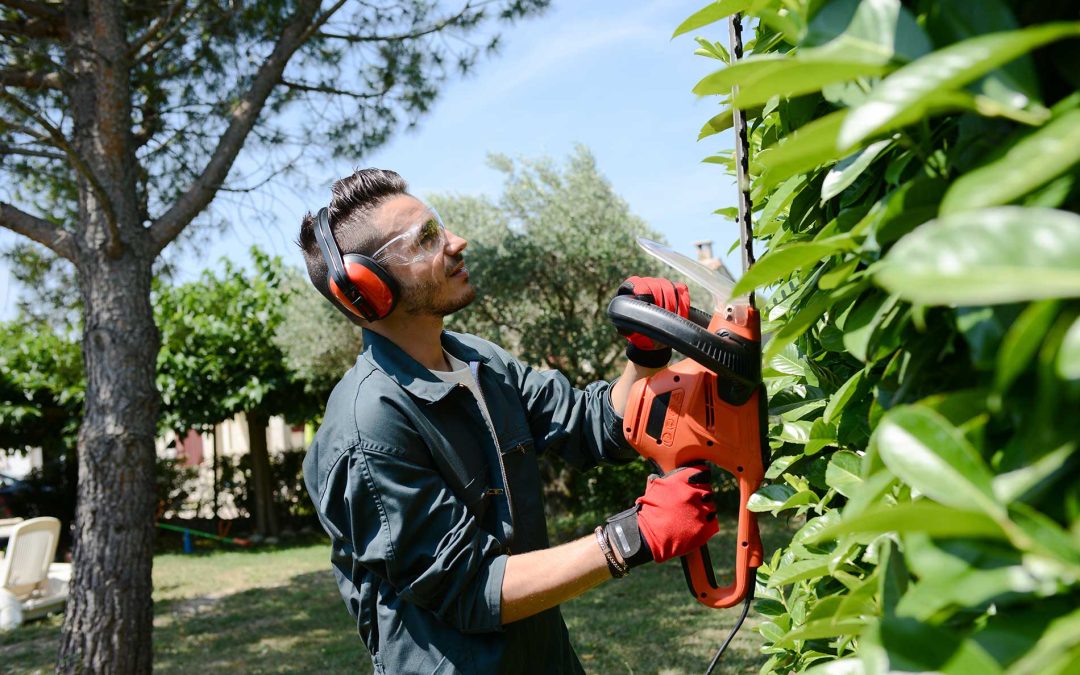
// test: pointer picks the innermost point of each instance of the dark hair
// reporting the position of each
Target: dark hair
(354, 198)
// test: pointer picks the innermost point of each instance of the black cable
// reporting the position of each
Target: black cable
(738, 624)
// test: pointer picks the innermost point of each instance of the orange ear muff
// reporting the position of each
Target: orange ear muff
(376, 291)
(358, 283)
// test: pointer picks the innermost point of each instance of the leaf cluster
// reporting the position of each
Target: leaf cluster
(42, 388)
(914, 171)
(218, 351)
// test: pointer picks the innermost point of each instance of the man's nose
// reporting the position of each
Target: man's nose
(454, 243)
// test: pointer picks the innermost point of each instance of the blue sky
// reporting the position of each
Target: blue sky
(604, 74)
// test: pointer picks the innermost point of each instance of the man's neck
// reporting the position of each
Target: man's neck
(417, 336)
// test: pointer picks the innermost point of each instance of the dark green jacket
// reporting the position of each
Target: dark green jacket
(410, 486)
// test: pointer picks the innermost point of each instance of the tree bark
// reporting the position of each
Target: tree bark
(262, 492)
(108, 622)
(109, 616)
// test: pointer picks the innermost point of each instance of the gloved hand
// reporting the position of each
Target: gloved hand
(665, 294)
(675, 516)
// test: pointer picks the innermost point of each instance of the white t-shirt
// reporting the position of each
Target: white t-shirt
(460, 373)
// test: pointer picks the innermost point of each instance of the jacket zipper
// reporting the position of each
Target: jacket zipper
(475, 368)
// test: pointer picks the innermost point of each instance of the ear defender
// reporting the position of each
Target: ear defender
(361, 285)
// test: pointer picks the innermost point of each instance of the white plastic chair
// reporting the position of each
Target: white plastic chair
(27, 573)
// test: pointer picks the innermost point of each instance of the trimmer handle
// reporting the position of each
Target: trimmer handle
(698, 566)
(724, 352)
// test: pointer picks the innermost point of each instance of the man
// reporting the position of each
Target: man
(424, 470)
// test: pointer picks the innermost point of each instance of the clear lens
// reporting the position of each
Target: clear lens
(421, 241)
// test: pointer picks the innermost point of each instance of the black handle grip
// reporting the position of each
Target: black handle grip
(724, 353)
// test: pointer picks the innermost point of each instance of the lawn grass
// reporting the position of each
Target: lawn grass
(278, 611)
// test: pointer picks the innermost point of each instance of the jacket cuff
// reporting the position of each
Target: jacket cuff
(490, 580)
(619, 450)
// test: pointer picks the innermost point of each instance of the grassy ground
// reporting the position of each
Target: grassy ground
(278, 611)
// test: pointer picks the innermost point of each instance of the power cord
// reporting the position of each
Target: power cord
(738, 624)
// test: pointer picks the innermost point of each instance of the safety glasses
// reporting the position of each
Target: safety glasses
(419, 242)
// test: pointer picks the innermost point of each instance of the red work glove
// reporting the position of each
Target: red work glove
(675, 516)
(665, 294)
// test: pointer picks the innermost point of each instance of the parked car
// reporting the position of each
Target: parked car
(19, 497)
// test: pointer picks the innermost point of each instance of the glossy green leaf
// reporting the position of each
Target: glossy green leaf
(952, 21)
(918, 516)
(1032, 161)
(822, 435)
(841, 176)
(795, 432)
(781, 262)
(1022, 341)
(840, 398)
(815, 525)
(1011, 486)
(910, 88)
(1059, 638)
(808, 315)
(711, 13)
(844, 473)
(862, 324)
(922, 449)
(851, 666)
(769, 497)
(760, 78)
(797, 571)
(712, 49)
(823, 628)
(1039, 533)
(1068, 359)
(880, 31)
(990, 256)
(720, 122)
(788, 362)
(770, 218)
(779, 465)
(800, 498)
(806, 148)
(913, 646)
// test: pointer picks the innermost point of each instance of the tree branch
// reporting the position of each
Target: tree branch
(29, 152)
(25, 79)
(43, 10)
(156, 45)
(49, 235)
(57, 138)
(433, 28)
(244, 115)
(323, 89)
(158, 23)
(32, 28)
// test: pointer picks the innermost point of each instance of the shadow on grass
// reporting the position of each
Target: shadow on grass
(649, 622)
(299, 628)
(646, 623)
(302, 627)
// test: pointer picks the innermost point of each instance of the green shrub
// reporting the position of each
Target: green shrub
(914, 179)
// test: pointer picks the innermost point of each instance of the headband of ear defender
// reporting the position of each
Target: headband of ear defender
(359, 283)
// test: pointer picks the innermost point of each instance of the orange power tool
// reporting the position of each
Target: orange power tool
(709, 407)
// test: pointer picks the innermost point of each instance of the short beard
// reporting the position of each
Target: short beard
(419, 300)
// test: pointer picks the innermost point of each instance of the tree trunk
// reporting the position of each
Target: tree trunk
(109, 616)
(262, 493)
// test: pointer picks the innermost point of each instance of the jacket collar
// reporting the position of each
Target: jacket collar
(408, 372)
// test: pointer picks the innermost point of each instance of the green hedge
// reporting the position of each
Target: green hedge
(915, 185)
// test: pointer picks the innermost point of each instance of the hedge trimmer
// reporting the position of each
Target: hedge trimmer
(710, 406)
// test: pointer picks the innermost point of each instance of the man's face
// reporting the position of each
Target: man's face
(437, 285)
